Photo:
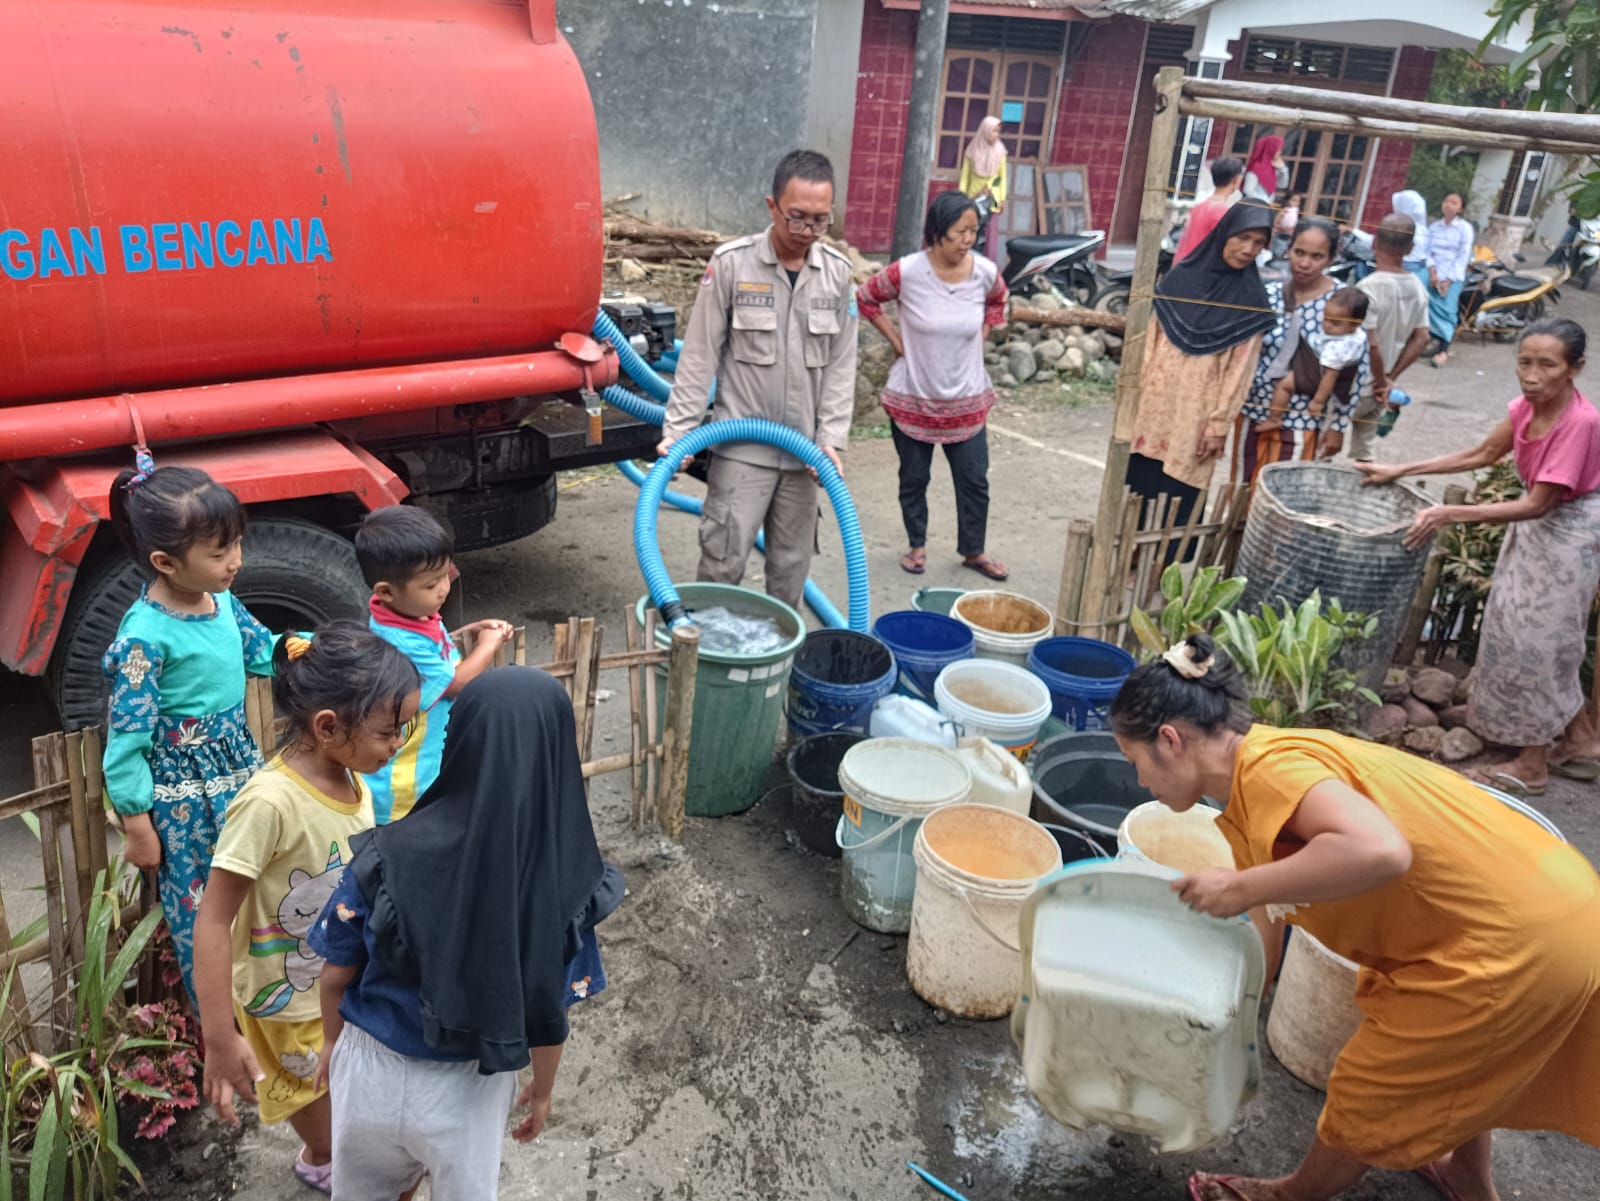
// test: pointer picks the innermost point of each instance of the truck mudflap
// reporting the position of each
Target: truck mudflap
(51, 510)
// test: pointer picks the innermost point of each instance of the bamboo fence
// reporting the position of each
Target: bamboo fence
(69, 800)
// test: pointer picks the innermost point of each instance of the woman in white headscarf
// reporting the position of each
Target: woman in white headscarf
(983, 173)
(1412, 205)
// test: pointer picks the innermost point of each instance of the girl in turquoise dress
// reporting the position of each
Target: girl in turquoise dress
(177, 749)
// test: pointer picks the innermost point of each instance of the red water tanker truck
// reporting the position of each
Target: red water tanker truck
(337, 253)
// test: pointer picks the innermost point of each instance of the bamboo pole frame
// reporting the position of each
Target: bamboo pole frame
(1085, 610)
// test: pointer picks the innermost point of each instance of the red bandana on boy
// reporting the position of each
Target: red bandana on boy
(431, 627)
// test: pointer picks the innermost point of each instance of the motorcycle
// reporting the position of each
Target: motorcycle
(1497, 300)
(1062, 263)
(1580, 252)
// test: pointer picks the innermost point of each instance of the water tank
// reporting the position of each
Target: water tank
(1317, 526)
(200, 191)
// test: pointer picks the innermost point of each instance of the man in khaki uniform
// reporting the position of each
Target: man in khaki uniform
(775, 326)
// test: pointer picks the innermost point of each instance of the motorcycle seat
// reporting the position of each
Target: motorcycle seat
(1033, 246)
(1514, 285)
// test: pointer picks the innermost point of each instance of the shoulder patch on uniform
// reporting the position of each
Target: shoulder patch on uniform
(705, 280)
(854, 312)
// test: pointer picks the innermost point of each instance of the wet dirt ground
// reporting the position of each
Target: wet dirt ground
(752, 1043)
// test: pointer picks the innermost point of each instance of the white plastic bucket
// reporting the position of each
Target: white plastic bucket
(976, 864)
(897, 716)
(1314, 1012)
(1185, 842)
(1005, 625)
(998, 778)
(890, 785)
(1006, 704)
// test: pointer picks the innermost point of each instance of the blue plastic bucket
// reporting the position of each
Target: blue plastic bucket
(838, 676)
(924, 644)
(1083, 675)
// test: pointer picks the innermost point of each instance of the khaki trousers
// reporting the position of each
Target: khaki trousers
(741, 498)
(1364, 427)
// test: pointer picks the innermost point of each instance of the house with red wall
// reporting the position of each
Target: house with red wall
(1071, 80)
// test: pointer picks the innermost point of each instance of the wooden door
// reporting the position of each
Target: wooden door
(979, 83)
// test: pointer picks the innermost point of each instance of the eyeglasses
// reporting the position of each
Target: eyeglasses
(816, 225)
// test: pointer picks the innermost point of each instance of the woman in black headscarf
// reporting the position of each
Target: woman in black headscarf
(455, 943)
(1211, 311)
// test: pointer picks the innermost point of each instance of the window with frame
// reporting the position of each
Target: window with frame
(1021, 87)
(1285, 60)
(1326, 168)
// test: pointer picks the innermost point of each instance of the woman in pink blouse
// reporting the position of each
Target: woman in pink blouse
(1525, 688)
(939, 392)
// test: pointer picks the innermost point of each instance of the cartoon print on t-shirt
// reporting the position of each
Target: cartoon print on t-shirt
(297, 913)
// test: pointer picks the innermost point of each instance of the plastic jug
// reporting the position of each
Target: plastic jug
(1135, 1011)
(999, 778)
(897, 716)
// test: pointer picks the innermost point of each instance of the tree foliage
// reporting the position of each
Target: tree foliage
(1560, 66)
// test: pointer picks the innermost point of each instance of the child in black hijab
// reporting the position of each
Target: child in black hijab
(455, 944)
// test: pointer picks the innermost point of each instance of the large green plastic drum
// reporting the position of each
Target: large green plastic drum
(738, 701)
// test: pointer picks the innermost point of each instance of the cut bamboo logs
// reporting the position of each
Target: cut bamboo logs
(1115, 323)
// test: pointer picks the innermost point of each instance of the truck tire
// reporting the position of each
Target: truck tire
(295, 576)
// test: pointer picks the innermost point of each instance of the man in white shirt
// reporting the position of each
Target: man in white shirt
(1449, 255)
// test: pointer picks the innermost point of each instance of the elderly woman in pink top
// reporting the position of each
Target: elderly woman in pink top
(939, 392)
(1525, 689)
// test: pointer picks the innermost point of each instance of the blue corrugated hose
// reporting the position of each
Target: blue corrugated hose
(646, 410)
(827, 612)
(745, 429)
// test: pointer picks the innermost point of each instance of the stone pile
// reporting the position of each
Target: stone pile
(1038, 354)
(1425, 710)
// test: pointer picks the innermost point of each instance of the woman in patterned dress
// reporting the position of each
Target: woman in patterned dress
(1262, 436)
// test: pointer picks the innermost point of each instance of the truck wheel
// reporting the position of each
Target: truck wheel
(295, 576)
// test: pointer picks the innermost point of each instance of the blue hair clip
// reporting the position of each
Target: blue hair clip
(143, 464)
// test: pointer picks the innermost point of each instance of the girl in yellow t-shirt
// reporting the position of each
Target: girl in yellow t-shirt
(348, 696)
(1474, 928)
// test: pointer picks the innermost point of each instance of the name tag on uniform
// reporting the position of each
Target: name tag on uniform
(825, 302)
(754, 296)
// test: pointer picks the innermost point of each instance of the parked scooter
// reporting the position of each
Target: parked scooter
(1580, 253)
(1497, 300)
(1063, 263)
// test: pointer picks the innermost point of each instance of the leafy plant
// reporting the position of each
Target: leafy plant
(58, 1113)
(1471, 550)
(1288, 658)
(1560, 67)
(1185, 611)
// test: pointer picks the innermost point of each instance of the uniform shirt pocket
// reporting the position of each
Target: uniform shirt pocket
(755, 335)
(821, 326)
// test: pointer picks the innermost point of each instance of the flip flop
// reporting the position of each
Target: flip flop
(1431, 1174)
(913, 563)
(985, 566)
(1226, 1182)
(1507, 782)
(1577, 769)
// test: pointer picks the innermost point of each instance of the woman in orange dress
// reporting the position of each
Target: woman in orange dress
(1477, 931)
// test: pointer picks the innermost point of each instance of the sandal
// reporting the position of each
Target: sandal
(1505, 782)
(985, 566)
(1227, 1182)
(1441, 1186)
(914, 561)
(317, 1176)
(1578, 768)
